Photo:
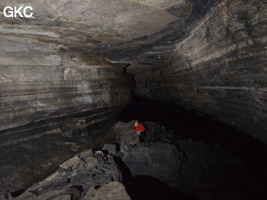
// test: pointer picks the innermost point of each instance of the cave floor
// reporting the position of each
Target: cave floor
(188, 124)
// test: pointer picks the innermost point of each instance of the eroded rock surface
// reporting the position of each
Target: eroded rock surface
(48, 98)
(41, 82)
(192, 167)
(159, 160)
(112, 191)
(162, 167)
(209, 55)
(88, 175)
(219, 69)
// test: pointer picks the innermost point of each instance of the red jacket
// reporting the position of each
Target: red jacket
(139, 128)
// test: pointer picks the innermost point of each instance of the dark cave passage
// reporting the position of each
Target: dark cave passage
(76, 75)
(149, 188)
(188, 124)
(143, 187)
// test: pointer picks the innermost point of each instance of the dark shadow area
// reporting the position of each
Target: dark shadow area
(125, 171)
(143, 187)
(25, 159)
(117, 146)
(148, 188)
(17, 193)
(76, 192)
(190, 124)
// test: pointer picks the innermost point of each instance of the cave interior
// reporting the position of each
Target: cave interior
(76, 75)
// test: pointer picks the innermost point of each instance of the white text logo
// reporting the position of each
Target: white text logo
(17, 12)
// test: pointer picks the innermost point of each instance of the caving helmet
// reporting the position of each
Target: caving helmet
(136, 123)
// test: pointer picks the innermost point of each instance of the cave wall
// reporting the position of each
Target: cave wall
(44, 82)
(219, 69)
(54, 101)
(208, 55)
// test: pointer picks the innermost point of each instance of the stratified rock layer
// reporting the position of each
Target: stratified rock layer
(48, 95)
(219, 69)
(53, 89)
(40, 81)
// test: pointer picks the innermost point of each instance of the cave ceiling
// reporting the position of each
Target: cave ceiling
(127, 31)
(206, 55)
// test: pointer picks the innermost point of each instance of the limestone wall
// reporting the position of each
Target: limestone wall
(220, 69)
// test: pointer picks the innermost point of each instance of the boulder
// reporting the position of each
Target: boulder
(111, 191)
(79, 175)
(110, 148)
(63, 197)
(71, 163)
(91, 161)
(86, 153)
(160, 160)
(125, 135)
